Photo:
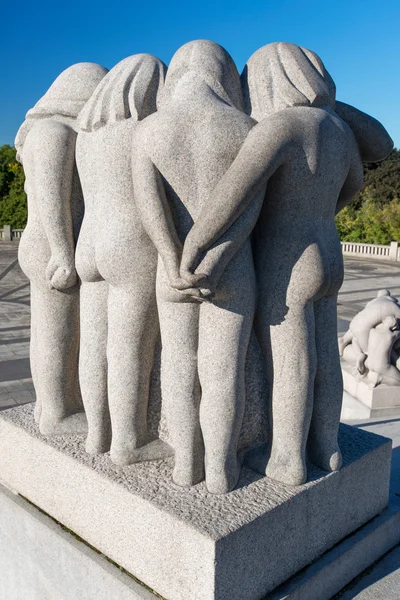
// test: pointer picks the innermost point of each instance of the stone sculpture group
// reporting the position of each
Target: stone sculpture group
(197, 203)
(372, 343)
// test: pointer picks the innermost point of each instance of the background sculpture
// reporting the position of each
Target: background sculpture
(372, 342)
(119, 322)
(46, 145)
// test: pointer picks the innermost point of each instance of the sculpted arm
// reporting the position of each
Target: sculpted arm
(372, 139)
(154, 209)
(224, 249)
(264, 151)
(354, 180)
(54, 156)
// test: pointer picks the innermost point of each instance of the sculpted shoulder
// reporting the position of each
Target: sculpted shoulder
(47, 133)
(146, 131)
(279, 128)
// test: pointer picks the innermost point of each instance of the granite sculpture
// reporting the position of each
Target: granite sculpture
(304, 159)
(117, 266)
(372, 342)
(209, 201)
(46, 146)
(179, 155)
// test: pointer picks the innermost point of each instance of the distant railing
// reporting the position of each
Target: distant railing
(7, 234)
(377, 251)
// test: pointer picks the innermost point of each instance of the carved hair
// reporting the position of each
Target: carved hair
(212, 64)
(66, 97)
(283, 75)
(130, 89)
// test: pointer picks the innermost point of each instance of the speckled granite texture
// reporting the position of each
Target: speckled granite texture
(187, 543)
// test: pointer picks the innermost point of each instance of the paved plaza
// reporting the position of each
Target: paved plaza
(363, 279)
(15, 377)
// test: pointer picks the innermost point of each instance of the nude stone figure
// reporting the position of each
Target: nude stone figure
(382, 339)
(179, 155)
(46, 146)
(372, 342)
(353, 346)
(306, 160)
(117, 262)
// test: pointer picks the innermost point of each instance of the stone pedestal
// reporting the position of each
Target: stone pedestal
(40, 560)
(186, 543)
(363, 401)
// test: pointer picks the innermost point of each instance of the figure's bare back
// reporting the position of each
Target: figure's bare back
(193, 148)
(308, 185)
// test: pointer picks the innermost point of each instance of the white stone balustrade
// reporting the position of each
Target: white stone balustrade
(391, 252)
(7, 234)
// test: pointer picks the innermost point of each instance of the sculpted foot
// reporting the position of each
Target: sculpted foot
(73, 424)
(188, 472)
(222, 478)
(288, 469)
(127, 454)
(325, 456)
(97, 443)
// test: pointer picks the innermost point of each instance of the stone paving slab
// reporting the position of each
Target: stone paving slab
(16, 385)
(380, 582)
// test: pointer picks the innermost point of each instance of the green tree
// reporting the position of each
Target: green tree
(13, 204)
(7, 157)
(374, 214)
(13, 208)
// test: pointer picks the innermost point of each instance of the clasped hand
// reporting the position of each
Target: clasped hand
(197, 286)
(61, 273)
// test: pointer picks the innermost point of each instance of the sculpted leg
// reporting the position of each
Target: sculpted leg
(344, 341)
(223, 346)
(33, 353)
(132, 337)
(93, 365)
(179, 381)
(224, 334)
(291, 348)
(323, 446)
(57, 320)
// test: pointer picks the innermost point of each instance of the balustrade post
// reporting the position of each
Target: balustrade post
(7, 233)
(393, 250)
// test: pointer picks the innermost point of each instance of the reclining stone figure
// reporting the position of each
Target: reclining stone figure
(382, 340)
(371, 342)
(384, 305)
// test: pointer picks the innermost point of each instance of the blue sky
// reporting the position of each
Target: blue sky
(358, 40)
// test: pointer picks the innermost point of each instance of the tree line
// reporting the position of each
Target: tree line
(13, 207)
(372, 217)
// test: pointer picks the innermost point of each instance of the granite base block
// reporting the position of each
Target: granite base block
(186, 543)
(41, 561)
(362, 401)
(30, 541)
